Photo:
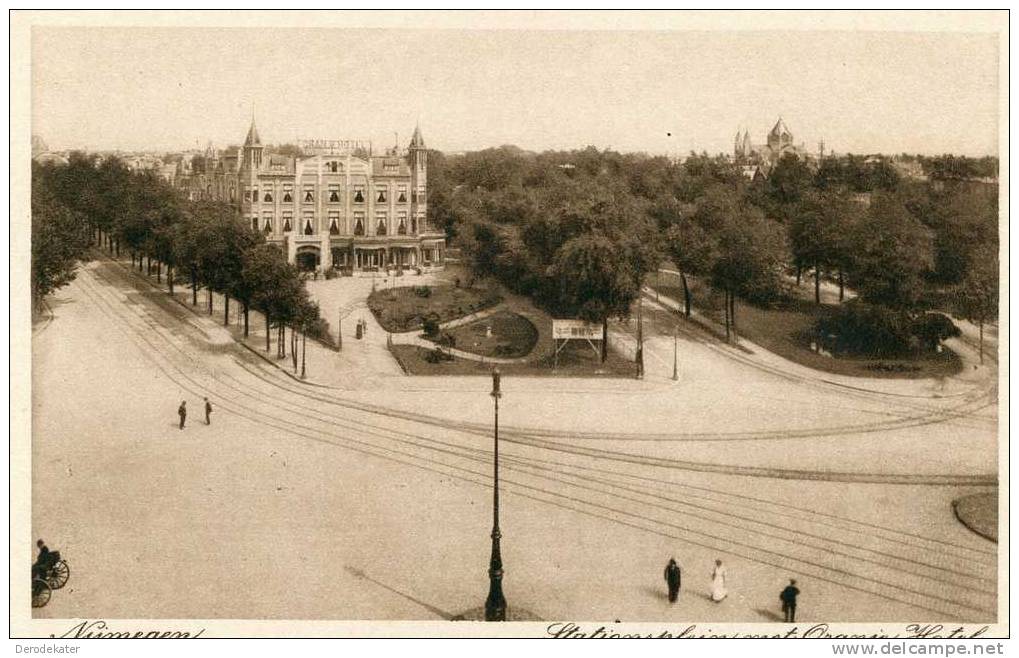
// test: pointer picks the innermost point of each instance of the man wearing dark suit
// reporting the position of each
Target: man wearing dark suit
(673, 578)
(788, 598)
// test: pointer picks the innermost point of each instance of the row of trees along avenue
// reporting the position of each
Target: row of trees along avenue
(578, 231)
(87, 203)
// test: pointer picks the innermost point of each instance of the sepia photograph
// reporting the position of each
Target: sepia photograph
(567, 324)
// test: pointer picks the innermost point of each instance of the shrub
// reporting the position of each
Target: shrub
(932, 328)
(437, 356)
(859, 328)
(422, 291)
(430, 325)
(865, 329)
(318, 329)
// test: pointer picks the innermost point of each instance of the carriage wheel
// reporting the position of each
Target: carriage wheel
(59, 575)
(41, 593)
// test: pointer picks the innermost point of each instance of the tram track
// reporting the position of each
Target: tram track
(298, 429)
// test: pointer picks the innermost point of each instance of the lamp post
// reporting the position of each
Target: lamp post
(304, 347)
(495, 604)
(675, 354)
(640, 338)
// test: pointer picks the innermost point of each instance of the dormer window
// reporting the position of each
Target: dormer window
(268, 197)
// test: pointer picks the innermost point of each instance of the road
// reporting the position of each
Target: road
(374, 502)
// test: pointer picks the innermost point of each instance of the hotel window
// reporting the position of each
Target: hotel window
(333, 166)
(414, 226)
(382, 195)
(309, 195)
(401, 217)
(247, 194)
(381, 228)
(287, 226)
(334, 194)
(268, 225)
(254, 194)
(381, 219)
(254, 223)
(359, 223)
(334, 223)
(403, 194)
(308, 219)
(268, 197)
(358, 194)
(288, 196)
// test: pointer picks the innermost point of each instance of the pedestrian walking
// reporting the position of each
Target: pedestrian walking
(788, 598)
(718, 590)
(182, 411)
(208, 411)
(673, 577)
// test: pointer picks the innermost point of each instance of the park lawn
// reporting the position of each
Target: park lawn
(512, 336)
(576, 360)
(785, 329)
(402, 309)
(979, 513)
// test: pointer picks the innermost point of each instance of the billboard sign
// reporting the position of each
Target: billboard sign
(580, 329)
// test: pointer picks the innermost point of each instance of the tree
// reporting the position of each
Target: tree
(594, 281)
(692, 248)
(818, 235)
(977, 295)
(789, 180)
(59, 241)
(224, 239)
(751, 253)
(892, 253)
(273, 283)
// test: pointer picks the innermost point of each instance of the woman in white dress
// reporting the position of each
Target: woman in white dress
(718, 591)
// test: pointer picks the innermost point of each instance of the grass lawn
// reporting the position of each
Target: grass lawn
(576, 360)
(512, 336)
(785, 329)
(402, 309)
(979, 513)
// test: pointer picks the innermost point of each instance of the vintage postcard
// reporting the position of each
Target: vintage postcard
(491, 324)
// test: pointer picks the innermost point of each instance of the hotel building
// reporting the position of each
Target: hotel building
(334, 206)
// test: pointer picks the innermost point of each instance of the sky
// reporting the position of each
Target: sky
(667, 92)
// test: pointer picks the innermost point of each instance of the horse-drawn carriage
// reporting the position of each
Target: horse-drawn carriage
(48, 577)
